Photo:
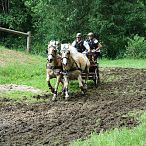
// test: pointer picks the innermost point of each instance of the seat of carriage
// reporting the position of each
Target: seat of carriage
(93, 61)
(91, 57)
(94, 69)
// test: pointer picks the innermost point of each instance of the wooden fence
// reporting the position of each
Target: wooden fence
(28, 34)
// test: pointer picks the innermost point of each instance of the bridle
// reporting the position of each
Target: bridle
(66, 72)
(53, 56)
(64, 58)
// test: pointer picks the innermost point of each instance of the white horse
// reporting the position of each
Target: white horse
(53, 67)
(73, 63)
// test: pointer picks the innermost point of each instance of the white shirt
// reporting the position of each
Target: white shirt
(85, 44)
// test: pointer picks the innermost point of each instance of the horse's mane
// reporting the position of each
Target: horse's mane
(69, 47)
(73, 51)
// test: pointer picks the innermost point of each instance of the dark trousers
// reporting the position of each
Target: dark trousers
(97, 55)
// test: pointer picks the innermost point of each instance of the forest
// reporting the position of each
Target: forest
(119, 25)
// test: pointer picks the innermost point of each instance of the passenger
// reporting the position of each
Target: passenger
(94, 45)
(81, 45)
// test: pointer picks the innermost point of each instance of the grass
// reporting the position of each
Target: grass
(20, 68)
(125, 63)
(26, 74)
(118, 137)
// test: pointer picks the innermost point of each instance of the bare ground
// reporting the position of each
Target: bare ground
(10, 87)
(58, 123)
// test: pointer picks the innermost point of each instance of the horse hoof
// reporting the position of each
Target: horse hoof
(85, 87)
(83, 93)
(66, 98)
(62, 93)
(52, 90)
(54, 98)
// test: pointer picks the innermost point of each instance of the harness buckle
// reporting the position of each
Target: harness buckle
(65, 72)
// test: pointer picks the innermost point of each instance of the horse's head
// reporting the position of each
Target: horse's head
(65, 53)
(52, 50)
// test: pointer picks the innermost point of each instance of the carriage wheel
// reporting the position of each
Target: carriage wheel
(97, 78)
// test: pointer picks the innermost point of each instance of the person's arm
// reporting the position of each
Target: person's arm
(99, 46)
(86, 45)
(74, 43)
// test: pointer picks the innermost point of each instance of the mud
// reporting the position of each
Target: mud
(58, 123)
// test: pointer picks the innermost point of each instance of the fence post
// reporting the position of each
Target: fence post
(28, 49)
(28, 34)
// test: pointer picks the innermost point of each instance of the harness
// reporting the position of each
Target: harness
(51, 54)
(54, 68)
(66, 72)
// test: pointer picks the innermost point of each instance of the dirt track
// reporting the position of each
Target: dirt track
(58, 123)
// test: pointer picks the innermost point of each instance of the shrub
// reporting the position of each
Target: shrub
(136, 47)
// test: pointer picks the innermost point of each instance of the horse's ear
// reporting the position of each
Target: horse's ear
(55, 50)
(57, 44)
(68, 51)
(68, 46)
(47, 50)
(48, 42)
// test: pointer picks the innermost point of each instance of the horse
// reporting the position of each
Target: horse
(53, 67)
(73, 63)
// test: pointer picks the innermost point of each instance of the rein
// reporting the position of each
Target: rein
(53, 67)
(51, 54)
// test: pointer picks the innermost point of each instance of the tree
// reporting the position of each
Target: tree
(116, 20)
(60, 19)
(14, 15)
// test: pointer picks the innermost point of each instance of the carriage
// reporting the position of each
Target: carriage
(71, 64)
(93, 70)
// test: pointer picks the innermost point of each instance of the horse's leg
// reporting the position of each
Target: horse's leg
(66, 87)
(56, 87)
(49, 84)
(63, 89)
(50, 87)
(81, 83)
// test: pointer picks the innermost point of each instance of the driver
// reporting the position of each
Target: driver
(81, 45)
